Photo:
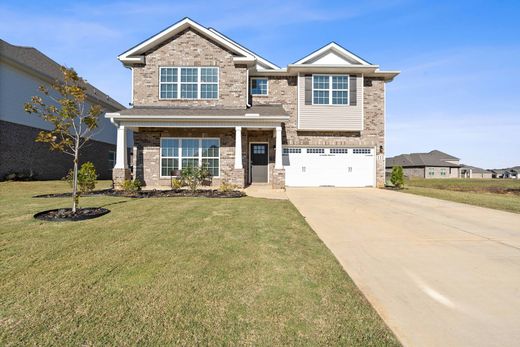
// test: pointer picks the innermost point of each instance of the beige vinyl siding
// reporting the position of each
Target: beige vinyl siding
(330, 117)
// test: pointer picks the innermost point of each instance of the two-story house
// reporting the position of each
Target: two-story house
(22, 71)
(200, 98)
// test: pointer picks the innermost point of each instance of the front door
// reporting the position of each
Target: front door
(259, 161)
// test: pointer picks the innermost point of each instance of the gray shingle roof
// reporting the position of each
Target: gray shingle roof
(475, 169)
(433, 158)
(261, 110)
(48, 69)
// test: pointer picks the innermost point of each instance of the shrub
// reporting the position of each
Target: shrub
(226, 187)
(194, 176)
(27, 175)
(87, 177)
(130, 186)
(397, 177)
(177, 183)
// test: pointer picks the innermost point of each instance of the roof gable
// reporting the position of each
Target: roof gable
(332, 54)
(243, 55)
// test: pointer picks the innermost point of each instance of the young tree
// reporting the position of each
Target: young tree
(72, 118)
(397, 177)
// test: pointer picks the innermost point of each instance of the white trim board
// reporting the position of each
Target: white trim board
(339, 53)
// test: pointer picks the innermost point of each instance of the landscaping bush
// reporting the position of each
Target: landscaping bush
(130, 186)
(194, 176)
(87, 177)
(177, 183)
(27, 175)
(397, 177)
(225, 186)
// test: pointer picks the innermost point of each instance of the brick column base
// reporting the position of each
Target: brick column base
(237, 177)
(119, 176)
(278, 179)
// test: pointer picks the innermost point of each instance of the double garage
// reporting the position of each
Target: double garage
(335, 167)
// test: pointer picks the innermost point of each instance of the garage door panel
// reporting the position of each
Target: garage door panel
(340, 167)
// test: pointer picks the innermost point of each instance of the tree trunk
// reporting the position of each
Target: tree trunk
(75, 183)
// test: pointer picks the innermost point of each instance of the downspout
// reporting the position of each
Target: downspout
(132, 88)
(247, 88)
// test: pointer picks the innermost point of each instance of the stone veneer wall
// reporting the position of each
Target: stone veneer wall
(283, 90)
(147, 154)
(19, 153)
(412, 172)
(190, 49)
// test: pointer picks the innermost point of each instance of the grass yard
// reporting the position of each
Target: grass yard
(500, 194)
(177, 271)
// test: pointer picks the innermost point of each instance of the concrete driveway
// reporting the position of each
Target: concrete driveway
(439, 273)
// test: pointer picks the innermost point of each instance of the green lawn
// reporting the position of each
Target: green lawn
(176, 271)
(497, 193)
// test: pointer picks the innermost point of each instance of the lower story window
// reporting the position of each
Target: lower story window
(180, 153)
(431, 172)
(111, 159)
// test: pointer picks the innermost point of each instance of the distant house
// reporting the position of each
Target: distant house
(434, 164)
(467, 171)
(22, 70)
(513, 173)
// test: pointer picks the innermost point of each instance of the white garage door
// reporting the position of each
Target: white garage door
(339, 167)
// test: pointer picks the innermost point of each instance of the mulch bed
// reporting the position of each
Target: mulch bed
(65, 214)
(206, 193)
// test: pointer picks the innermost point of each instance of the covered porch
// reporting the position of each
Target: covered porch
(239, 149)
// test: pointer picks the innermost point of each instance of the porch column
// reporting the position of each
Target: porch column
(238, 148)
(278, 149)
(121, 157)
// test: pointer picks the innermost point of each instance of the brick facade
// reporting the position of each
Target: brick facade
(284, 90)
(190, 49)
(21, 154)
(147, 154)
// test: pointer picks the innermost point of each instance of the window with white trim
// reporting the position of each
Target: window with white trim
(180, 153)
(330, 89)
(188, 83)
(361, 151)
(292, 150)
(315, 150)
(338, 151)
(111, 159)
(259, 86)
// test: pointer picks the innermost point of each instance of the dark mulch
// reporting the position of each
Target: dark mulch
(65, 214)
(206, 193)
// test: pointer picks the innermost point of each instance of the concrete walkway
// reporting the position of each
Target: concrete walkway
(266, 191)
(439, 273)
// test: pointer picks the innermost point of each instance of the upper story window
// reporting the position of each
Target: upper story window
(330, 89)
(188, 83)
(259, 86)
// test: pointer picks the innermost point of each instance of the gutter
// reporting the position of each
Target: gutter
(247, 117)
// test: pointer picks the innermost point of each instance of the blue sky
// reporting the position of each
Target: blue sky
(459, 90)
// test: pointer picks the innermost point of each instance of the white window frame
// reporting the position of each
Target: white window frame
(179, 156)
(198, 83)
(330, 90)
(112, 153)
(267, 86)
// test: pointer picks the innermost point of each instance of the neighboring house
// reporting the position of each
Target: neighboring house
(434, 164)
(513, 173)
(200, 98)
(467, 171)
(22, 71)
